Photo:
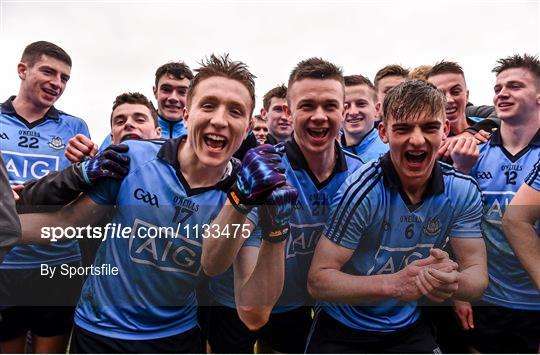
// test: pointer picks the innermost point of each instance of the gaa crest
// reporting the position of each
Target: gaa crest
(56, 143)
(433, 227)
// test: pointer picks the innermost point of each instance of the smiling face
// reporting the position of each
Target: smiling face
(217, 119)
(317, 112)
(454, 88)
(414, 142)
(170, 95)
(361, 110)
(260, 130)
(278, 120)
(516, 95)
(133, 121)
(44, 82)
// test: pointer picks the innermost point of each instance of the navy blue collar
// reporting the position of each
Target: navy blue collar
(7, 107)
(435, 183)
(169, 154)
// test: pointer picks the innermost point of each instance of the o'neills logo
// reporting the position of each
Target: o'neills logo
(235, 198)
(278, 233)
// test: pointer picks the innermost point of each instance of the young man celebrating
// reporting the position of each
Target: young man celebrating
(278, 121)
(360, 137)
(381, 247)
(316, 166)
(34, 135)
(138, 309)
(450, 79)
(508, 319)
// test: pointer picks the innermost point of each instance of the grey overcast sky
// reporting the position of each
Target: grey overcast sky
(116, 46)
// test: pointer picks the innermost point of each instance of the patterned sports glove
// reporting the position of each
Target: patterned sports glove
(275, 214)
(260, 173)
(108, 164)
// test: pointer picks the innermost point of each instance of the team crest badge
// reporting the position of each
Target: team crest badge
(56, 143)
(432, 228)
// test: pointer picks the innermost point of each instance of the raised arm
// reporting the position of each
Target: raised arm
(258, 176)
(259, 274)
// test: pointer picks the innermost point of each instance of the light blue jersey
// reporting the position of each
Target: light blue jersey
(371, 147)
(169, 129)
(500, 175)
(307, 222)
(154, 294)
(31, 151)
(533, 180)
(373, 216)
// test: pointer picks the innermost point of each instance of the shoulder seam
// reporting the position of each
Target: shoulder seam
(360, 182)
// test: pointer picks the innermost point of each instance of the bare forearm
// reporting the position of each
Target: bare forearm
(337, 286)
(219, 253)
(526, 244)
(472, 283)
(265, 284)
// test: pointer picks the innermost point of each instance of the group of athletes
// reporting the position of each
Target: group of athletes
(348, 217)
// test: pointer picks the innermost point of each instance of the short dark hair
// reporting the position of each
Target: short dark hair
(178, 70)
(135, 98)
(410, 99)
(33, 52)
(223, 66)
(526, 61)
(259, 118)
(355, 80)
(390, 70)
(279, 92)
(315, 68)
(445, 67)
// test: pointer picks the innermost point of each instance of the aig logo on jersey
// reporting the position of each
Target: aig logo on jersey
(165, 251)
(146, 197)
(56, 143)
(432, 228)
(24, 166)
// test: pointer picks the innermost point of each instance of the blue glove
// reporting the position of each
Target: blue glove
(261, 172)
(107, 164)
(275, 214)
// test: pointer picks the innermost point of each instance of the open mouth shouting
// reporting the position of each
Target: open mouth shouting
(215, 142)
(415, 158)
(318, 134)
(130, 136)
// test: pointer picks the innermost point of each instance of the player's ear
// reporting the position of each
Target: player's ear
(383, 133)
(158, 132)
(185, 115)
(154, 90)
(377, 109)
(345, 111)
(263, 112)
(22, 70)
(446, 127)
